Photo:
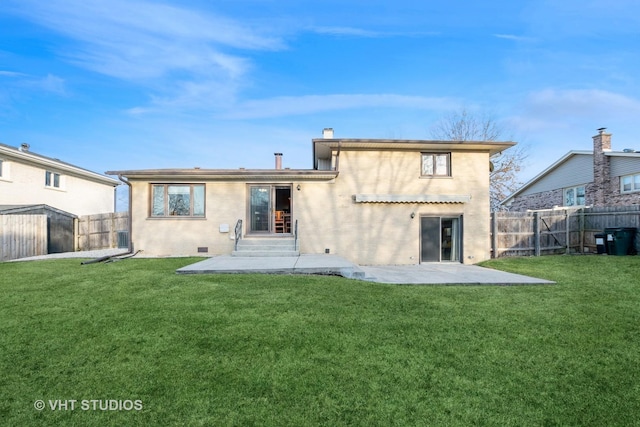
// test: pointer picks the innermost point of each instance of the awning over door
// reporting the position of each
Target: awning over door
(411, 198)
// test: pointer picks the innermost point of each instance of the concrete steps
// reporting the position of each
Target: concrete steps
(266, 247)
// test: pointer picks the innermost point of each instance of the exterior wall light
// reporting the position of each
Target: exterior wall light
(298, 187)
(413, 215)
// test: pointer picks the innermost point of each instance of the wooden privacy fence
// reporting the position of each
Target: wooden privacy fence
(22, 236)
(556, 230)
(101, 231)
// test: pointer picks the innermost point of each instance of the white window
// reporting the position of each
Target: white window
(630, 183)
(52, 179)
(186, 200)
(5, 170)
(436, 164)
(574, 196)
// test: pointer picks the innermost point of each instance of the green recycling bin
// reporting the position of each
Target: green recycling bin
(620, 240)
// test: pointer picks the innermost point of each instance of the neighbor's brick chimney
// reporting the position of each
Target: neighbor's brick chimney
(278, 160)
(601, 168)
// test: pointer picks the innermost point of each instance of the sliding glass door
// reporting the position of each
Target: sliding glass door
(269, 209)
(440, 238)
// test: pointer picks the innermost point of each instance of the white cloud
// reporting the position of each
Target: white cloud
(11, 74)
(152, 44)
(584, 102)
(52, 84)
(575, 109)
(345, 31)
(136, 39)
(359, 32)
(311, 104)
(514, 37)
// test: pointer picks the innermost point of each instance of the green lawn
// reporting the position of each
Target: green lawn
(220, 350)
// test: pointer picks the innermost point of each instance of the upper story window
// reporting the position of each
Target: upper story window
(5, 170)
(436, 164)
(185, 200)
(630, 183)
(574, 196)
(52, 179)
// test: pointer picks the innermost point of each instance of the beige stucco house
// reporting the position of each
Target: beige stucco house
(372, 201)
(27, 178)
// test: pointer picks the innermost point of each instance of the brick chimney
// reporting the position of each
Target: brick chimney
(278, 160)
(601, 168)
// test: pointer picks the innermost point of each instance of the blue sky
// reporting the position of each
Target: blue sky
(128, 84)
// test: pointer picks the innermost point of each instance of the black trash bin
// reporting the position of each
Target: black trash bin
(620, 240)
(601, 243)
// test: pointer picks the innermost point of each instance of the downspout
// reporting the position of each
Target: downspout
(108, 258)
(130, 207)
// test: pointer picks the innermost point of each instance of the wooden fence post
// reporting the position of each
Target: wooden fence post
(581, 230)
(567, 219)
(536, 236)
(494, 235)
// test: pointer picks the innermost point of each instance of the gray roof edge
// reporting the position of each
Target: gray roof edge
(4, 209)
(226, 173)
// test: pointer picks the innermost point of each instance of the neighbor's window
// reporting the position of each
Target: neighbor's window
(52, 179)
(630, 183)
(185, 200)
(574, 196)
(436, 164)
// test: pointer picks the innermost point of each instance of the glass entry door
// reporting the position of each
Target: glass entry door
(259, 208)
(440, 239)
(270, 209)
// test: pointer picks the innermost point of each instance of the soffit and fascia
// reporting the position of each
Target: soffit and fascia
(228, 174)
(322, 147)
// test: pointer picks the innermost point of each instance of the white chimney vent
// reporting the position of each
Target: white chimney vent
(327, 133)
(278, 160)
(24, 147)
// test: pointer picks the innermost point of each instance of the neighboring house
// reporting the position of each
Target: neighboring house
(27, 178)
(372, 201)
(583, 178)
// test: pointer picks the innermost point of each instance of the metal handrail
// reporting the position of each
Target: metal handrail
(238, 232)
(295, 236)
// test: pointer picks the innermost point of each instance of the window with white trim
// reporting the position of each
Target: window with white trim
(183, 200)
(52, 179)
(574, 196)
(436, 164)
(630, 183)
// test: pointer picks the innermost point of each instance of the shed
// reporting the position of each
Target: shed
(60, 225)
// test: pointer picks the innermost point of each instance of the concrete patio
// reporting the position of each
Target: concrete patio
(423, 274)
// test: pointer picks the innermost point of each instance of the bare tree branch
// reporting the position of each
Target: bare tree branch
(465, 126)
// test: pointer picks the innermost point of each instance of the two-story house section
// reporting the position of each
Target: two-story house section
(27, 178)
(372, 201)
(602, 177)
